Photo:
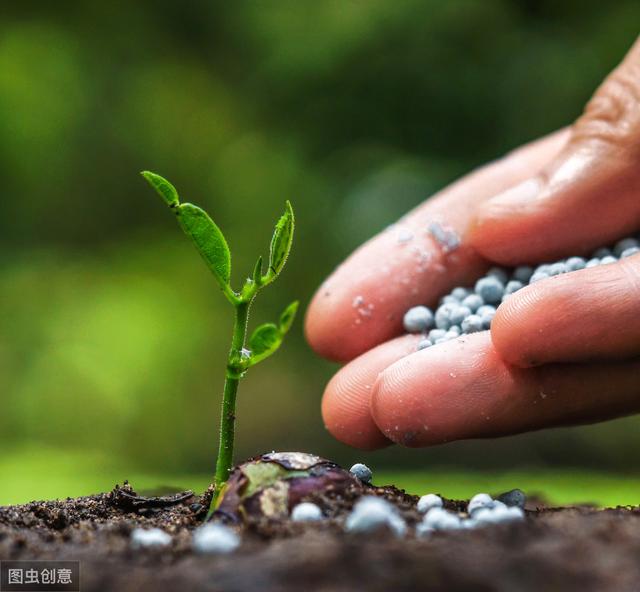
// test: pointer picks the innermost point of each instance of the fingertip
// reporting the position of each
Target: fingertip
(318, 328)
(439, 394)
(334, 326)
(358, 306)
(585, 315)
(346, 404)
(393, 405)
(512, 326)
(346, 415)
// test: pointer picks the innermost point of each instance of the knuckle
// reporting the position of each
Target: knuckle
(612, 116)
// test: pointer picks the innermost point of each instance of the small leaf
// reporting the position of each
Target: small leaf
(165, 189)
(208, 239)
(265, 340)
(261, 475)
(281, 242)
(257, 271)
(288, 316)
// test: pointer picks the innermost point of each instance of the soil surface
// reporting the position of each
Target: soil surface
(561, 549)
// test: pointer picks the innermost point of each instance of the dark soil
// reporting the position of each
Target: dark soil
(561, 549)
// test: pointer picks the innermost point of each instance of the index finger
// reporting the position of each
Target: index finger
(362, 303)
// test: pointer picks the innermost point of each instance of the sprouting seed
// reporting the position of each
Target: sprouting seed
(266, 338)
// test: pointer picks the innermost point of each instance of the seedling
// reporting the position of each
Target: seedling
(266, 338)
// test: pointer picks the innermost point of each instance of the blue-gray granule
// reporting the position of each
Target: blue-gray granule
(522, 274)
(575, 263)
(418, 319)
(460, 293)
(490, 289)
(459, 314)
(362, 472)
(630, 251)
(515, 497)
(473, 302)
(472, 324)
(624, 245)
(512, 286)
(469, 309)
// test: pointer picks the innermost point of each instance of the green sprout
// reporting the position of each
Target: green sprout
(266, 338)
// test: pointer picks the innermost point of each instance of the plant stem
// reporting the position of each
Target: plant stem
(228, 414)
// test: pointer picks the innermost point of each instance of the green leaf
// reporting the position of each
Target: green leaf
(261, 475)
(257, 271)
(208, 239)
(281, 242)
(264, 341)
(267, 338)
(288, 316)
(165, 189)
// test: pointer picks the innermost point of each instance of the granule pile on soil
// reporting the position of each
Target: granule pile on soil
(564, 549)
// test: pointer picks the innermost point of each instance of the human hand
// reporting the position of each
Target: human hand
(561, 351)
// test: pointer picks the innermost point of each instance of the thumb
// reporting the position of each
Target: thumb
(588, 196)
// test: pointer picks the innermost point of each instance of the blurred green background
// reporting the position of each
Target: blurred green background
(113, 334)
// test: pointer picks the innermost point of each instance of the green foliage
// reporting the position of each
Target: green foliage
(202, 230)
(288, 316)
(165, 189)
(280, 244)
(261, 475)
(209, 241)
(266, 338)
(257, 272)
(129, 315)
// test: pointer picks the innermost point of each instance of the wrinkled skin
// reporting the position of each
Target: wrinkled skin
(562, 351)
